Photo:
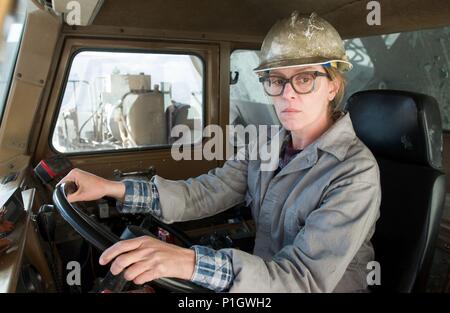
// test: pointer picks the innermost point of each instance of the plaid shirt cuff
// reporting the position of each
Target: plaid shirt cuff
(213, 269)
(140, 197)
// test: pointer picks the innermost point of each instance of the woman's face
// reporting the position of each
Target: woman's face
(299, 111)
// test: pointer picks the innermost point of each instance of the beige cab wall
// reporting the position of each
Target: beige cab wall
(29, 80)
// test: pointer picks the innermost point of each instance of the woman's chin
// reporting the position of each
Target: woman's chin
(290, 125)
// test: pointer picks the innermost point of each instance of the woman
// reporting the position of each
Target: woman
(314, 214)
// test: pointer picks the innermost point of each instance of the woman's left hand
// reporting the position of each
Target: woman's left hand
(146, 258)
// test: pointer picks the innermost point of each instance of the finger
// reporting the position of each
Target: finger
(73, 176)
(119, 248)
(137, 269)
(127, 259)
(145, 277)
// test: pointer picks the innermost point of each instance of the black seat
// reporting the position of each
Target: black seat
(403, 130)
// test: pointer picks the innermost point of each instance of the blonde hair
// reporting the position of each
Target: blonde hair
(336, 110)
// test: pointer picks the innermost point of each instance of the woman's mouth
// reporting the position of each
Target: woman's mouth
(290, 111)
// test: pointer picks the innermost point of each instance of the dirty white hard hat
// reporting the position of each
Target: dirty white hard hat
(303, 41)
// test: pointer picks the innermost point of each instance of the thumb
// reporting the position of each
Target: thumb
(74, 197)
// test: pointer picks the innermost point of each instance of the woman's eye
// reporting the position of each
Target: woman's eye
(303, 79)
(276, 82)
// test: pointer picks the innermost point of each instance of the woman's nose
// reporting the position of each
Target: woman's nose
(288, 91)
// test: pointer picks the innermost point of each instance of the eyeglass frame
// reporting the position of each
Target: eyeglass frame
(315, 74)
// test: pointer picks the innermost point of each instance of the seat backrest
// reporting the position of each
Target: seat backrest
(403, 130)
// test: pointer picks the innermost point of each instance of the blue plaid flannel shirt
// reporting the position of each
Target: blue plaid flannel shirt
(213, 268)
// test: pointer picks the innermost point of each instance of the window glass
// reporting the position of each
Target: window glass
(248, 102)
(125, 100)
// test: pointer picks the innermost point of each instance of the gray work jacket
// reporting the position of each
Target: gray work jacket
(314, 219)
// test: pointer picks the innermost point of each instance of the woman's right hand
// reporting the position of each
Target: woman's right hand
(92, 187)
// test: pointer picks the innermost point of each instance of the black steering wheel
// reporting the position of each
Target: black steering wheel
(102, 238)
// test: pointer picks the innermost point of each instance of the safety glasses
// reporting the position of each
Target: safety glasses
(302, 83)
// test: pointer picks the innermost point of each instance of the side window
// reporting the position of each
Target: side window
(124, 100)
(248, 102)
(249, 105)
(416, 61)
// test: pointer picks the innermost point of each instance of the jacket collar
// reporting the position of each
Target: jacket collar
(335, 141)
(338, 138)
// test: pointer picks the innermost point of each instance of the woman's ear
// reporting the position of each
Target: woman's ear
(333, 88)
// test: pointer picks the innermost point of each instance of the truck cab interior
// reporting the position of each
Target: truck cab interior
(102, 85)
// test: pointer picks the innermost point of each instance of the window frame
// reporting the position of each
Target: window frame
(129, 48)
(9, 78)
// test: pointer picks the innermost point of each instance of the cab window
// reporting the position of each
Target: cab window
(116, 100)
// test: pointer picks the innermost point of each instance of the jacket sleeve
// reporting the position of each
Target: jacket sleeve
(205, 195)
(321, 251)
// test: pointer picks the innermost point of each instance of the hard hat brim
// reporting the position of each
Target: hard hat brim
(341, 65)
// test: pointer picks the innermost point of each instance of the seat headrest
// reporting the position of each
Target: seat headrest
(398, 125)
